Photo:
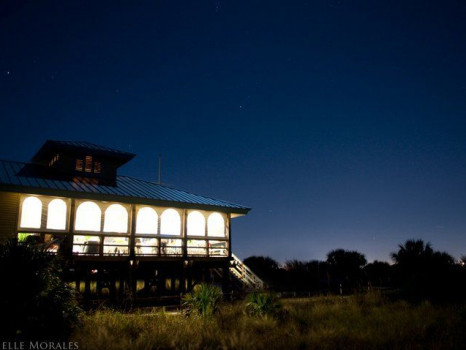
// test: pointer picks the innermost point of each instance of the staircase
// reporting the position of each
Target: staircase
(244, 274)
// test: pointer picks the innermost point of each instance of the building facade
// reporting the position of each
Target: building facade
(118, 234)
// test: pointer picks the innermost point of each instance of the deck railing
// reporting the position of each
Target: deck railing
(98, 245)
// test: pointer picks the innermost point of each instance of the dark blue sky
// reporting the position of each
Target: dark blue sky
(341, 123)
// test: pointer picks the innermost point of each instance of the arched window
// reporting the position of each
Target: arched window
(88, 217)
(196, 224)
(216, 225)
(116, 219)
(171, 223)
(147, 221)
(31, 213)
(56, 215)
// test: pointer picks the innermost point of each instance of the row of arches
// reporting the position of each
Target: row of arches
(31, 214)
(89, 218)
(147, 223)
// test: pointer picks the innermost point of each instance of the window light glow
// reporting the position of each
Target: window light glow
(196, 224)
(86, 245)
(171, 223)
(197, 247)
(116, 219)
(79, 164)
(147, 221)
(216, 225)
(88, 217)
(116, 246)
(56, 215)
(88, 164)
(146, 246)
(97, 167)
(31, 213)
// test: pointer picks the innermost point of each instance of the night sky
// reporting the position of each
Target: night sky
(341, 123)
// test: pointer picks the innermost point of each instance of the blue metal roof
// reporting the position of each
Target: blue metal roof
(127, 189)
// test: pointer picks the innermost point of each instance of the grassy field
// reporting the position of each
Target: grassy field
(357, 322)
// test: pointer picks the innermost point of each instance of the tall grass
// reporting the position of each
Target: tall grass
(361, 322)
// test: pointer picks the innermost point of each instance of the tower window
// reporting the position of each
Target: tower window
(79, 164)
(97, 167)
(88, 167)
(54, 159)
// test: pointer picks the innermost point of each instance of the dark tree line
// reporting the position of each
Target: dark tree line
(417, 272)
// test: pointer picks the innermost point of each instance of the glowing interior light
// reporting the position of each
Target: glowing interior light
(31, 213)
(56, 215)
(88, 217)
(196, 224)
(171, 223)
(116, 219)
(216, 225)
(147, 221)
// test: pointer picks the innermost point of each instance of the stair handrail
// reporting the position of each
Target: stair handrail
(247, 274)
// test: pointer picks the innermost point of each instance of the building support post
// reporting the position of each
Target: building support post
(132, 237)
(184, 266)
(229, 234)
(70, 237)
(133, 263)
(226, 283)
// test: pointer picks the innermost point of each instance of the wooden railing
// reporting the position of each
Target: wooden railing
(97, 245)
(245, 274)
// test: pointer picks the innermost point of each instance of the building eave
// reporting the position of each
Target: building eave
(122, 199)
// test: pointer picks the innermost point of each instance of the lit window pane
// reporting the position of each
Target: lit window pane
(116, 246)
(88, 217)
(86, 245)
(146, 246)
(196, 224)
(79, 165)
(216, 225)
(97, 167)
(28, 237)
(116, 219)
(171, 247)
(171, 223)
(147, 221)
(31, 213)
(88, 164)
(218, 248)
(197, 247)
(56, 216)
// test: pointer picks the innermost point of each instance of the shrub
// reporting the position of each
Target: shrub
(34, 300)
(204, 299)
(263, 304)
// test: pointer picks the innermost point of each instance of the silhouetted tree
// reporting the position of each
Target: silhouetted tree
(305, 275)
(378, 274)
(412, 253)
(422, 272)
(35, 303)
(297, 275)
(345, 268)
(267, 269)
